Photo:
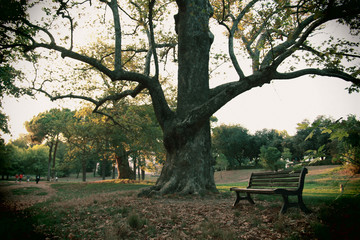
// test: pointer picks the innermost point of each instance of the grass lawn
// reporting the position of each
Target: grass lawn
(111, 210)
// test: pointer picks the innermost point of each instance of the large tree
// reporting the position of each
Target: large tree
(270, 32)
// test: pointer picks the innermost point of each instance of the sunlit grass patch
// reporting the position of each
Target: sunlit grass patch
(226, 186)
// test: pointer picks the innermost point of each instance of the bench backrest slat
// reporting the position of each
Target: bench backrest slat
(283, 179)
(275, 180)
(272, 185)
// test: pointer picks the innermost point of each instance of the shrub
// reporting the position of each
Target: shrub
(135, 221)
(270, 158)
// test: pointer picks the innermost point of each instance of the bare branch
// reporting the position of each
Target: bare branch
(321, 72)
(118, 58)
(152, 39)
(64, 13)
(279, 53)
(231, 38)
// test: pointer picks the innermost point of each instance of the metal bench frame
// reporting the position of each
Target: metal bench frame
(286, 183)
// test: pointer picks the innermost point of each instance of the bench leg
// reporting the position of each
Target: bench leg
(248, 197)
(285, 204)
(302, 205)
(238, 198)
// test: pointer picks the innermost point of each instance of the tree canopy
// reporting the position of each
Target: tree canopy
(133, 45)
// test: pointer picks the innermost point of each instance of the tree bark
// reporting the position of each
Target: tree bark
(103, 167)
(49, 162)
(189, 165)
(142, 174)
(54, 159)
(83, 166)
(122, 162)
(188, 168)
(134, 165)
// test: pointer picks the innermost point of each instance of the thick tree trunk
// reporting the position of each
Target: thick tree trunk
(122, 162)
(142, 174)
(189, 165)
(189, 168)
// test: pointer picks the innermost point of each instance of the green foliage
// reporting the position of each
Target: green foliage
(7, 87)
(35, 160)
(5, 159)
(347, 134)
(221, 162)
(312, 141)
(338, 139)
(30, 160)
(233, 143)
(270, 158)
(286, 154)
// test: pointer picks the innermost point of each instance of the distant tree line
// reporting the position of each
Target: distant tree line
(64, 142)
(324, 141)
(61, 142)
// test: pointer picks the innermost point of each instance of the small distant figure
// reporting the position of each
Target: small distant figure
(21, 177)
(37, 179)
(17, 177)
(56, 179)
(28, 178)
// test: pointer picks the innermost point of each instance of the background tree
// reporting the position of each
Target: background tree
(312, 141)
(9, 11)
(34, 160)
(270, 158)
(221, 162)
(5, 160)
(286, 154)
(49, 126)
(269, 32)
(347, 135)
(234, 142)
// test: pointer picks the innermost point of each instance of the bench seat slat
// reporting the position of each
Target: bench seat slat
(250, 190)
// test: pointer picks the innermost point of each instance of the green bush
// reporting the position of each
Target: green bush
(135, 221)
(270, 158)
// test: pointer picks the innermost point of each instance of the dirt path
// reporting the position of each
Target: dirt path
(13, 201)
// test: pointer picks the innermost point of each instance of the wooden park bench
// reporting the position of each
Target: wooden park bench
(286, 183)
